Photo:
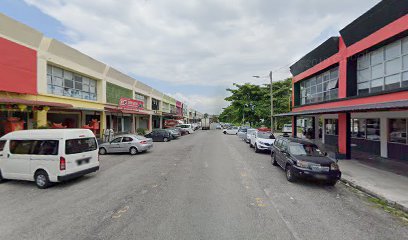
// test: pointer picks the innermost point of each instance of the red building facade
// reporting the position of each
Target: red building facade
(356, 85)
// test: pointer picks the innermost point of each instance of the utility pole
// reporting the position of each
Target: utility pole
(270, 77)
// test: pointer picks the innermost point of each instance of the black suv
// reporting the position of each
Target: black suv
(301, 158)
(159, 135)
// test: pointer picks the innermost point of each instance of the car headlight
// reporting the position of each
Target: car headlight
(334, 166)
(302, 164)
(261, 142)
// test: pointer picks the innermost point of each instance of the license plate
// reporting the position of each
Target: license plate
(82, 161)
(320, 169)
(322, 177)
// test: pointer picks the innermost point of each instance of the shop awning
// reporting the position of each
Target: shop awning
(403, 104)
(118, 110)
(33, 102)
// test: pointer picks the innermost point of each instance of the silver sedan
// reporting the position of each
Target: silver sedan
(132, 144)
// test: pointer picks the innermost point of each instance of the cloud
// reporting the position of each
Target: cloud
(203, 103)
(198, 42)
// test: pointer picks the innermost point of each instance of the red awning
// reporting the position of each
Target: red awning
(33, 102)
(118, 110)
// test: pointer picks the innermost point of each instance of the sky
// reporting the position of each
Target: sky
(192, 50)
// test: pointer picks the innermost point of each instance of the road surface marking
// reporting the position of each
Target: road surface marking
(260, 202)
(119, 213)
(287, 223)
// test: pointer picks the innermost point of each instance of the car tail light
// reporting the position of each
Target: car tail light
(143, 142)
(62, 163)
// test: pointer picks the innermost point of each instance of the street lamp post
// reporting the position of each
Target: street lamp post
(271, 90)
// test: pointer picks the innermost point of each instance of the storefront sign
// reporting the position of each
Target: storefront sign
(130, 104)
(18, 67)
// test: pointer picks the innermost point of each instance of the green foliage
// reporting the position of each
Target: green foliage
(141, 131)
(251, 103)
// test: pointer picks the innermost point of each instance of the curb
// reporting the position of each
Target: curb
(375, 195)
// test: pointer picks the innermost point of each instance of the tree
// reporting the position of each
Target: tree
(251, 103)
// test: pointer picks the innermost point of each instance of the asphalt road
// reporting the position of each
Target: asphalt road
(202, 186)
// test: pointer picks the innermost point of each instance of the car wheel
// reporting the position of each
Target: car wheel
(41, 179)
(133, 151)
(165, 139)
(1, 178)
(332, 182)
(256, 148)
(289, 174)
(225, 132)
(102, 151)
(273, 159)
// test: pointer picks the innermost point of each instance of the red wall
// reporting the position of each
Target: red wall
(381, 35)
(18, 68)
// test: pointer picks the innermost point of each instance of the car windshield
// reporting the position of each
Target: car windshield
(299, 149)
(266, 135)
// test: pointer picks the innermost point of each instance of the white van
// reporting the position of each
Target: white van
(49, 155)
(187, 127)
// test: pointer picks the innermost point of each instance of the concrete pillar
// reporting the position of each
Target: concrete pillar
(384, 136)
(102, 123)
(41, 118)
(150, 123)
(137, 122)
(344, 136)
(323, 130)
(316, 127)
(294, 126)
(161, 121)
(133, 127)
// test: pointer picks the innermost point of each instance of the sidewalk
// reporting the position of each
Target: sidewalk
(384, 184)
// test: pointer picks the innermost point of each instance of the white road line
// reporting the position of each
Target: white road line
(287, 223)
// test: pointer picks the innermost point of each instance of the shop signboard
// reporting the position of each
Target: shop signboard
(130, 104)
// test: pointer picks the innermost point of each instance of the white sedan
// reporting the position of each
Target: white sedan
(231, 130)
(261, 141)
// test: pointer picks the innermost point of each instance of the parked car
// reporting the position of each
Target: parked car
(159, 135)
(233, 130)
(287, 130)
(242, 133)
(188, 127)
(218, 126)
(182, 131)
(262, 141)
(195, 126)
(247, 137)
(48, 155)
(301, 158)
(174, 133)
(130, 143)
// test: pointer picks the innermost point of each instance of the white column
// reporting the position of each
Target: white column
(384, 136)
(133, 128)
(150, 123)
(137, 122)
(161, 121)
